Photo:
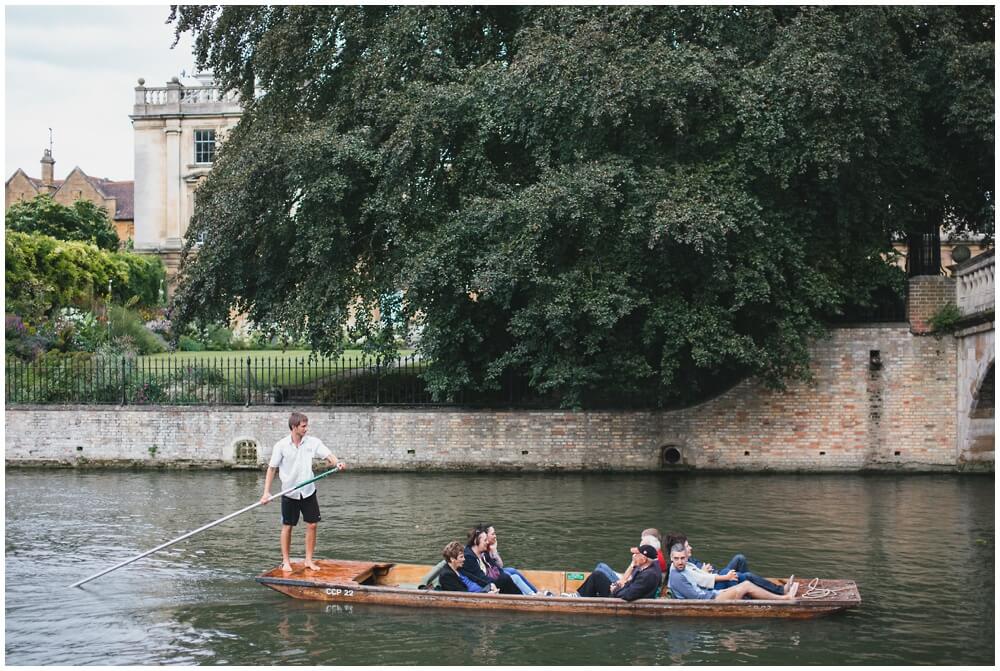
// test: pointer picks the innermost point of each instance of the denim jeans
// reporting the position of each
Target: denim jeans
(521, 584)
(519, 579)
(613, 575)
(738, 563)
(750, 577)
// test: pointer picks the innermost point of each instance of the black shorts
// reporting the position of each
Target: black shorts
(290, 509)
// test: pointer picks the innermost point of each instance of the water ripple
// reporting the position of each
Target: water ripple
(196, 603)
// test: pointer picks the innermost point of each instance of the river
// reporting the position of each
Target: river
(920, 547)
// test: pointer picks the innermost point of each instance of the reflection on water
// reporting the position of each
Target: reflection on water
(197, 603)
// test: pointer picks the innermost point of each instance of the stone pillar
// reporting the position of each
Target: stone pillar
(172, 223)
(925, 296)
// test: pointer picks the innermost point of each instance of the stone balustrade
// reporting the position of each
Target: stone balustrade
(207, 94)
(974, 284)
(184, 95)
(153, 97)
(177, 99)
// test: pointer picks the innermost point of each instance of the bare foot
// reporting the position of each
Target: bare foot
(286, 567)
(792, 591)
(789, 583)
(312, 566)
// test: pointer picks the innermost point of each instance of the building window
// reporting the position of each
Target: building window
(204, 146)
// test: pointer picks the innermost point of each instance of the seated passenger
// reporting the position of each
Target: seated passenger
(683, 587)
(648, 537)
(735, 572)
(451, 578)
(642, 583)
(494, 564)
(475, 565)
(737, 563)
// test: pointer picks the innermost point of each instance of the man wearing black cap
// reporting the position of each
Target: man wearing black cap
(641, 584)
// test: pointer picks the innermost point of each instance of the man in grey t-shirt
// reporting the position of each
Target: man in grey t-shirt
(682, 585)
(293, 458)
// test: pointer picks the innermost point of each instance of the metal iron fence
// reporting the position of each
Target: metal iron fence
(231, 380)
(247, 380)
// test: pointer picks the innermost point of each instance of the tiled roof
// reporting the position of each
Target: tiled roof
(124, 195)
(122, 192)
(38, 182)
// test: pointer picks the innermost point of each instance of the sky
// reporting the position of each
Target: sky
(74, 69)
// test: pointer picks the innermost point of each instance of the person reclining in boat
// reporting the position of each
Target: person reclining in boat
(683, 587)
(735, 572)
(475, 565)
(642, 582)
(451, 578)
(648, 537)
(494, 564)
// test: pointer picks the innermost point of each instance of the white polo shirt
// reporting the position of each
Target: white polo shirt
(294, 464)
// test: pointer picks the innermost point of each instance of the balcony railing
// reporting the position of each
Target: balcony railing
(974, 284)
(178, 96)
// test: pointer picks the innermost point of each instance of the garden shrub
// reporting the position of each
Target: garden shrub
(189, 344)
(218, 337)
(128, 323)
(43, 274)
(86, 333)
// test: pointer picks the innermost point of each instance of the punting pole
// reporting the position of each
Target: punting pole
(200, 529)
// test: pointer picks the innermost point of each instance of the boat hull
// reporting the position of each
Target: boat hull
(396, 585)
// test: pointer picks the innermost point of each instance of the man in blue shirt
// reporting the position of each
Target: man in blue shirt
(682, 587)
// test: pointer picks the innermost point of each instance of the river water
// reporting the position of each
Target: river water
(921, 548)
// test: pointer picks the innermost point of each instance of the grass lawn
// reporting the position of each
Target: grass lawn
(268, 367)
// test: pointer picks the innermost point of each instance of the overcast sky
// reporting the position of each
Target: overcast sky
(74, 69)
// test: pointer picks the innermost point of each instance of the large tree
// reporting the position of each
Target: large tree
(82, 221)
(588, 198)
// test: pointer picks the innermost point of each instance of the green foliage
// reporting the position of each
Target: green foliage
(25, 340)
(44, 274)
(218, 338)
(189, 344)
(126, 323)
(82, 221)
(945, 318)
(646, 200)
(57, 377)
(85, 330)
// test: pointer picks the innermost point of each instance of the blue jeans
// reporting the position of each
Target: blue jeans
(613, 575)
(750, 577)
(521, 583)
(738, 563)
(515, 575)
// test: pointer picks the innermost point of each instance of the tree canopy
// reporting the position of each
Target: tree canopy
(82, 221)
(653, 199)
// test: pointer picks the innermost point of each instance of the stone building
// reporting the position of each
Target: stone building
(116, 197)
(177, 129)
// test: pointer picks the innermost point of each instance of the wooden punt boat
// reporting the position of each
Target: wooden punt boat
(387, 583)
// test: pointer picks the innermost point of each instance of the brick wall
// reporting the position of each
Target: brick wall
(925, 296)
(849, 417)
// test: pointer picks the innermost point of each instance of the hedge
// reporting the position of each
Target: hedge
(44, 274)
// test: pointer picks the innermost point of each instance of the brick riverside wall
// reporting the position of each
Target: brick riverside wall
(848, 418)
(925, 296)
